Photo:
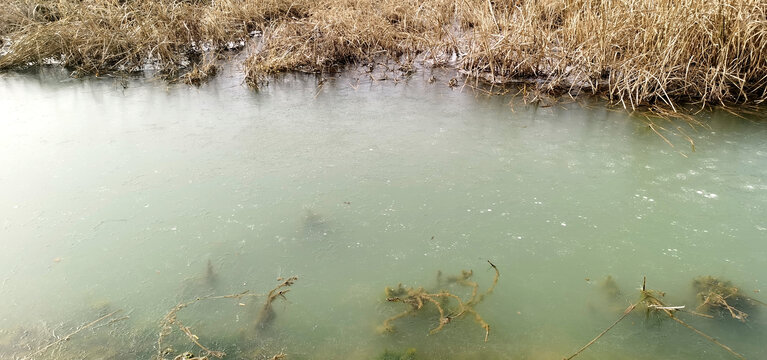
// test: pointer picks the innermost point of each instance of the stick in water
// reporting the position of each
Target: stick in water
(625, 313)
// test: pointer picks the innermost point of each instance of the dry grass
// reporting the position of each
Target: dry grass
(99, 36)
(636, 52)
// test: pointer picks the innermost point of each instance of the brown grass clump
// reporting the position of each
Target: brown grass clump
(635, 52)
(336, 33)
(99, 36)
(199, 73)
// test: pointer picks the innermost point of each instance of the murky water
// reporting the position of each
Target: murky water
(117, 198)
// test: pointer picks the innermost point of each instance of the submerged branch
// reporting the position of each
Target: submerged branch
(625, 313)
(707, 337)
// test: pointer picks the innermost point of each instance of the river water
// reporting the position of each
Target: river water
(137, 196)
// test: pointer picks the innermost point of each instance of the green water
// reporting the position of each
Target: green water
(117, 198)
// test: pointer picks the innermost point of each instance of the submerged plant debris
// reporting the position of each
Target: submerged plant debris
(171, 321)
(266, 315)
(718, 297)
(635, 52)
(418, 298)
(651, 301)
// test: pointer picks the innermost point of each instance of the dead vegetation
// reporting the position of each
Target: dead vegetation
(653, 305)
(108, 336)
(99, 36)
(418, 298)
(170, 321)
(266, 315)
(635, 52)
(717, 297)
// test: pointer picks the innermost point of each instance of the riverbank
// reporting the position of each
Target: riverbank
(636, 53)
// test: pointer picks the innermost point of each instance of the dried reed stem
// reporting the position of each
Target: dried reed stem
(628, 310)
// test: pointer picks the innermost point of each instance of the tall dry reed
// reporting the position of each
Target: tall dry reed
(635, 52)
